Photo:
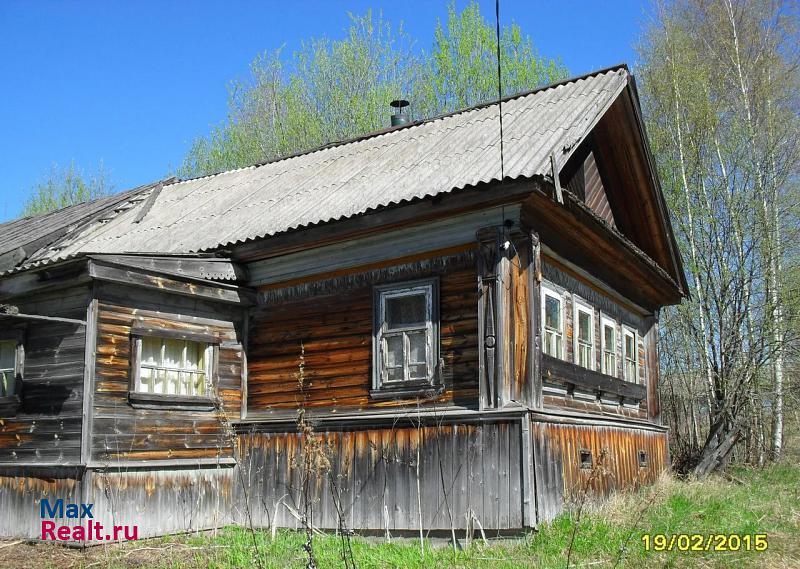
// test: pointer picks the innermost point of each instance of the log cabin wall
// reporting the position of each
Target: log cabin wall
(128, 434)
(557, 389)
(573, 458)
(328, 322)
(46, 429)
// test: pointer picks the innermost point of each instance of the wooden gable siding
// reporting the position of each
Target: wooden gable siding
(583, 179)
(47, 426)
(334, 333)
(123, 432)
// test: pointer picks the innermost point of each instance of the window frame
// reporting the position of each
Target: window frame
(551, 292)
(604, 321)
(382, 387)
(10, 402)
(580, 305)
(628, 331)
(144, 399)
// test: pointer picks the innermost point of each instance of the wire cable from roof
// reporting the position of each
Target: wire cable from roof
(499, 85)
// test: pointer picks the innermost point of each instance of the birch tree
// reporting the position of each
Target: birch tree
(720, 92)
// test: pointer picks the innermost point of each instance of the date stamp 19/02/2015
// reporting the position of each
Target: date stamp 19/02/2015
(705, 542)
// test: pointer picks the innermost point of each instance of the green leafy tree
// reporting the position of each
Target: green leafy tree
(335, 89)
(63, 187)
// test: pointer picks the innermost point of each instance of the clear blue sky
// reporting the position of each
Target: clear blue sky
(133, 83)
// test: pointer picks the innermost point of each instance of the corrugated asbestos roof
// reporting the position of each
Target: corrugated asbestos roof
(343, 180)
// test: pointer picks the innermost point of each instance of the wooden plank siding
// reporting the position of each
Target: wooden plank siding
(560, 480)
(334, 333)
(123, 432)
(47, 427)
(373, 472)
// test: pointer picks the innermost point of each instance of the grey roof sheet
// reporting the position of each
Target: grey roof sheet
(26, 230)
(343, 180)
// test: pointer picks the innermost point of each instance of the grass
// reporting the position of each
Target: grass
(609, 535)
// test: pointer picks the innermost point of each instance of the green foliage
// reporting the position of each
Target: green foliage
(335, 89)
(63, 187)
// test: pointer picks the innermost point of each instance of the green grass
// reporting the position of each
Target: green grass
(608, 535)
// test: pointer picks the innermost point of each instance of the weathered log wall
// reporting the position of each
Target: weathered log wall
(47, 427)
(123, 432)
(333, 330)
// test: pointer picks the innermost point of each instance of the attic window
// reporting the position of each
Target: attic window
(406, 339)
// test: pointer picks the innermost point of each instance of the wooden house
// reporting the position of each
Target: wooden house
(472, 332)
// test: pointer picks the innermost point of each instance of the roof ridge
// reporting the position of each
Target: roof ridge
(374, 134)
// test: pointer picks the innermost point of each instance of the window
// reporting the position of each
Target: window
(173, 366)
(8, 367)
(629, 349)
(552, 323)
(584, 335)
(643, 461)
(585, 457)
(406, 335)
(609, 346)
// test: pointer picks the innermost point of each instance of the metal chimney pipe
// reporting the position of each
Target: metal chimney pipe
(400, 117)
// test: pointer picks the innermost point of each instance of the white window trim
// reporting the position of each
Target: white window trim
(430, 287)
(210, 363)
(545, 292)
(579, 305)
(604, 321)
(628, 331)
(9, 389)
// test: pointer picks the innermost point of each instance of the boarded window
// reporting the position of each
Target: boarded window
(629, 346)
(609, 337)
(553, 324)
(8, 367)
(170, 366)
(406, 334)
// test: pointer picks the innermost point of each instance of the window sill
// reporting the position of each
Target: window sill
(9, 405)
(174, 402)
(408, 390)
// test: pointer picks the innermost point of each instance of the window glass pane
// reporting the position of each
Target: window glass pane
(394, 351)
(173, 353)
(419, 371)
(145, 379)
(151, 351)
(418, 349)
(552, 312)
(8, 351)
(199, 384)
(406, 310)
(394, 374)
(629, 347)
(608, 332)
(159, 376)
(584, 326)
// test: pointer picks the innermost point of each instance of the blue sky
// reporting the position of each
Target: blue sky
(131, 84)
